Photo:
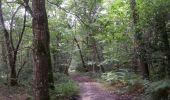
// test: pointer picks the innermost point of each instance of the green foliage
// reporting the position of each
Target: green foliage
(95, 75)
(80, 68)
(64, 90)
(65, 87)
(61, 78)
(109, 22)
(159, 90)
(124, 78)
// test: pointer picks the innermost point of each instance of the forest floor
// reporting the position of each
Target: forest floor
(13, 93)
(90, 89)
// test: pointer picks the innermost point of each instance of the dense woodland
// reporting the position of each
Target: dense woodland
(122, 44)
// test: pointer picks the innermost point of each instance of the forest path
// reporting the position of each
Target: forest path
(92, 90)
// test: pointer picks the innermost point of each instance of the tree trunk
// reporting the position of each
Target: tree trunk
(41, 59)
(97, 55)
(140, 50)
(81, 55)
(10, 51)
(50, 74)
(13, 74)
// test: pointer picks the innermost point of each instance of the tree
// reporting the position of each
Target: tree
(41, 51)
(153, 22)
(139, 49)
(12, 51)
(81, 55)
(161, 18)
(87, 14)
(25, 3)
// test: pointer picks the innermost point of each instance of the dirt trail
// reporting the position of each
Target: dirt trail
(92, 90)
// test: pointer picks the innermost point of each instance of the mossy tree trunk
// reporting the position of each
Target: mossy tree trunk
(41, 51)
(138, 41)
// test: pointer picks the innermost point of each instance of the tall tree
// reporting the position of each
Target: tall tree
(12, 51)
(81, 55)
(87, 13)
(50, 73)
(139, 45)
(41, 58)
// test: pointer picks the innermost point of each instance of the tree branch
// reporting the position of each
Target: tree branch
(22, 32)
(27, 7)
(66, 11)
(20, 69)
(11, 27)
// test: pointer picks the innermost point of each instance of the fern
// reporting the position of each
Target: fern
(126, 77)
(159, 90)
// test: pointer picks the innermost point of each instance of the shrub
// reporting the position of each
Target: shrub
(61, 78)
(159, 90)
(65, 87)
(92, 74)
(123, 78)
(80, 69)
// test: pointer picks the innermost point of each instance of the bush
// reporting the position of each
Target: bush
(61, 78)
(123, 78)
(80, 69)
(92, 74)
(159, 90)
(126, 82)
(65, 87)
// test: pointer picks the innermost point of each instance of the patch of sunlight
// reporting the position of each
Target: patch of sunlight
(3, 76)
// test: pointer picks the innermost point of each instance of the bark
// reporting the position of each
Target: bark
(41, 51)
(50, 73)
(139, 45)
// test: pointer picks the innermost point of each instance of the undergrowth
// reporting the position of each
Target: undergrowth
(158, 90)
(65, 87)
(130, 83)
(121, 78)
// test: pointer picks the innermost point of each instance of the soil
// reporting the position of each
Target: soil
(13, 93)
(93, 90)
